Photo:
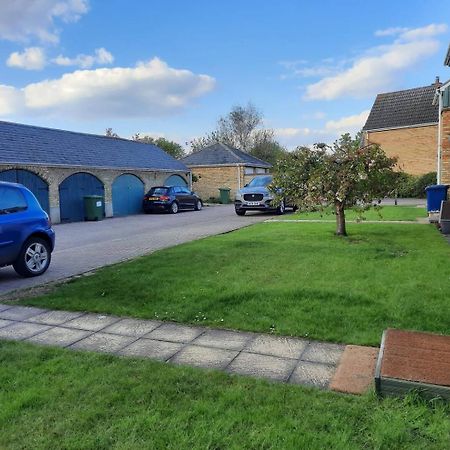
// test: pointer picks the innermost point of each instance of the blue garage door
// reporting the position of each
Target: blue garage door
(175, 180)
(31, 181)
(72, 192)
(127, 195)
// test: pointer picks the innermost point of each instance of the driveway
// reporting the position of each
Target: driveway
(83, 246)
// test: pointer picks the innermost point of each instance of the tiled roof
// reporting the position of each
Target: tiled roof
(403, 108)
(222, 154)
(26, 144)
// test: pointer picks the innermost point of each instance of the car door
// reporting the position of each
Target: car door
(12, 219)
(180, 195)
(189, 197)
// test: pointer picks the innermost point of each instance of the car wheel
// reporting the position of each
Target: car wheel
(281, 208)
(174, 208)
(240, 212)
(34, 258)
(198, 206)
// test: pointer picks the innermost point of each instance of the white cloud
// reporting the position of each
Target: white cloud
(393, 31)
(348, 124)
(331, 130)
(151, 89)
(11, 101)
(32, 58)
(101, 56)
(21, 20)
(380, 67)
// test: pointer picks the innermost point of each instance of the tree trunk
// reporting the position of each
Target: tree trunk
(340, 219)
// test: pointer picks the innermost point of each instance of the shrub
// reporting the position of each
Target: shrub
(413, 186)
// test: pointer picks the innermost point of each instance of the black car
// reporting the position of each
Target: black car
(171, 199)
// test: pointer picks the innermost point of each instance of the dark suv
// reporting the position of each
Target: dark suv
(171, 199)
(26, 236)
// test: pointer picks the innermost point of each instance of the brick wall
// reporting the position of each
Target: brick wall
(213, 178)
(445, 147)
(416, 148)
(55, 175)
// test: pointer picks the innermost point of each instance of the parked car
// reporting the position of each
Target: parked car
(171, 199)
(26, 235)
(255, 196)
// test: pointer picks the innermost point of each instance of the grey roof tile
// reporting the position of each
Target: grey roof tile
(403, 108)
(26, 144)
(222, 154)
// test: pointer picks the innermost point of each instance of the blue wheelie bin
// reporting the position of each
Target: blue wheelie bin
(436, 193)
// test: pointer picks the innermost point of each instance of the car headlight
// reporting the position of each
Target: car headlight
(238, 196)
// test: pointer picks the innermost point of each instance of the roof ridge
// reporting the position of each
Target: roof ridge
(410, 89)
(80, 133)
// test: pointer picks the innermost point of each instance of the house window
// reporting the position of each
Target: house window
(260, 170)
(249, 170)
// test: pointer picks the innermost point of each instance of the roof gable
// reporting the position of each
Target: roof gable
(26, 144)
(403, 108)
(222, 154)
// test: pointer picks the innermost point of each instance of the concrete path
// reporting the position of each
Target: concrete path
(84, 246)
(282, 359)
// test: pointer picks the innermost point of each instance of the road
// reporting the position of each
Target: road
(84, 246)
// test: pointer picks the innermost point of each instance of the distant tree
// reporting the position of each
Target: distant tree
(242, 128)
(110, 133)
(172, 148)
(265, 147)
(343, 175)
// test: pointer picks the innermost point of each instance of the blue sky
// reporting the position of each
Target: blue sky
(171, 68)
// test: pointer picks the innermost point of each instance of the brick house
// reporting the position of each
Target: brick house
(442, 100)
(61, 167)
(219, 165)
(405, 124)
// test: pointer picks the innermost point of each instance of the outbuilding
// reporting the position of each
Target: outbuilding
(221, 166)
(62, 167)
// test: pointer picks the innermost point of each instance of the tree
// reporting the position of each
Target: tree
(110, 133)
(343, 175)
(172, 148)
(265, 147)
(242, 128)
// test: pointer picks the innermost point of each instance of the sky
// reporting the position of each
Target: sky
(171, 68)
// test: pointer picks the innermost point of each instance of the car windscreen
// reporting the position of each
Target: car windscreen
(158, 191)
(260, 182)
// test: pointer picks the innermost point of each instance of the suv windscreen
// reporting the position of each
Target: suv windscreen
(158, 191)
(11, 200)
(260, 182)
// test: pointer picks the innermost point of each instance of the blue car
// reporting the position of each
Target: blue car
(26, 235)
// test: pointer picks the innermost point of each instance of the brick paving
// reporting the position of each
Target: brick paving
(282, 359)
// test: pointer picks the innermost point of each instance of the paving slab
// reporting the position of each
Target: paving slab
(4, 307)
(103, 342)
(59, 337)
(312, 374)
(91, 322)
(206, 357)
(173, 332)
(20, 313)
(132, 327)
(356, 370)
(4, 322)
(324, 353)
(262, 366)
(284, 347)
(19, 330)
(55, 317)
(149, 348)
(231, 340)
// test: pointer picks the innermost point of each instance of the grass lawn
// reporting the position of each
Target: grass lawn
(53, 398)
(287, 278)
(386, 213)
